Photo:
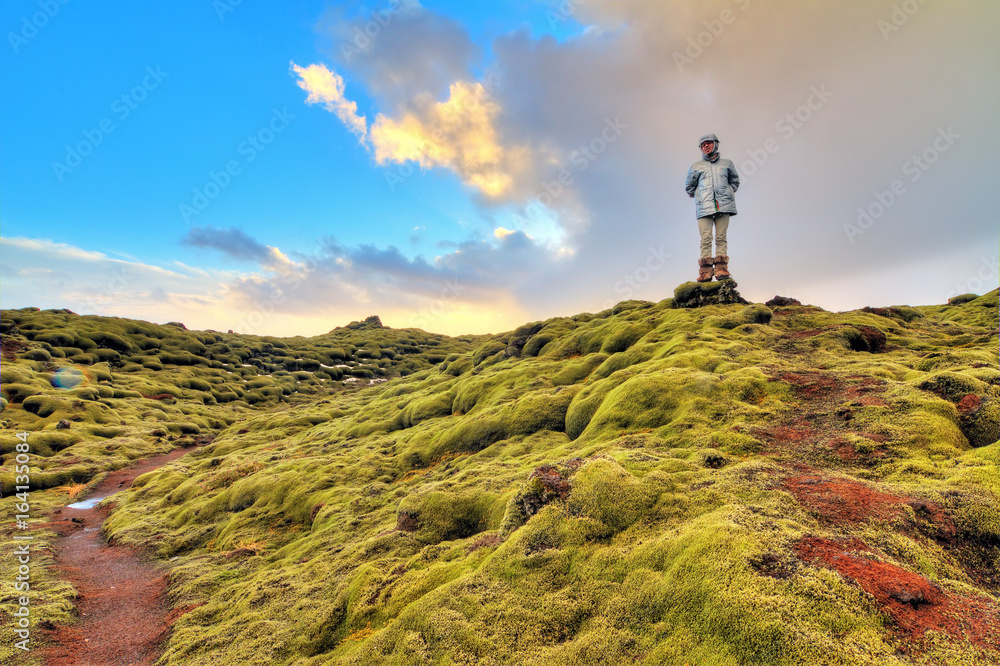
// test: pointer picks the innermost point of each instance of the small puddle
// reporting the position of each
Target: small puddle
(87, 503)
(121, 597)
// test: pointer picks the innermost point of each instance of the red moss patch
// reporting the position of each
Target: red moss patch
(818, 428)
(10, 348)
(406, 522)
(969, 404)
(820, 386)
(811, 385)
(785, 434)
(848, 452)
(845, 450)
(913, 603)
(487, 540)
(841, 500)
(548, 483)
(873, 338)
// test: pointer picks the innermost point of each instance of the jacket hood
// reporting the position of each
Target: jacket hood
(714, 155)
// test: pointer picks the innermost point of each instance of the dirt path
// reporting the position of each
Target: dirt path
(122, 599)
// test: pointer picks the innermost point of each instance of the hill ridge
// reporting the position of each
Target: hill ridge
(647, 484)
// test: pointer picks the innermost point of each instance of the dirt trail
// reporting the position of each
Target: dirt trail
(122, 599)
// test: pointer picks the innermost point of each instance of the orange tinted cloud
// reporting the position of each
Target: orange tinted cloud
(327, 88)
(458, 133)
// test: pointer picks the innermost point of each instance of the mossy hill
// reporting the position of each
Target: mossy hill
(721, 485)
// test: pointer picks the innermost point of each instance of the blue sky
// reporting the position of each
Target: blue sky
(170, 161)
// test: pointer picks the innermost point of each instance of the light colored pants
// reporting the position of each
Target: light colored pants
(721, 224)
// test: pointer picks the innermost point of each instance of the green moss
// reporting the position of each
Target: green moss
(428, 407)
(607, 493)
(645, 401)
(634, 356)
(953, 386)
(685, 291)
(38, 355)
(572, 372)
(44, 406)
(962, 298)
(982, 427)
(16, 393)
(666, 535)
(751, 314)
(438, 516)
(624, 337)
(84, 359)
(736, 443)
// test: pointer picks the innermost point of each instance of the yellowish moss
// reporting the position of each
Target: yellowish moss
(376, 513)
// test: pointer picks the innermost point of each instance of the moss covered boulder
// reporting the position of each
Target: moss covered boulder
(699, 294)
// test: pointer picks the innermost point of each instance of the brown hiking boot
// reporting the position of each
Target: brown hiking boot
(722, 268)
(705, 265)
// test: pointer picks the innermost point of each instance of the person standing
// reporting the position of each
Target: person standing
(713, 182)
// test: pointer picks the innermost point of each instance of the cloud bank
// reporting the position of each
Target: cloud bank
(823, 108)
(862, 137)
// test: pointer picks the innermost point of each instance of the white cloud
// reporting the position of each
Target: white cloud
(460, 292)
(540, 141)
(327, 88)
(459, 134)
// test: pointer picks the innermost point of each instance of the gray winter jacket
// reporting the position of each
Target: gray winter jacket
(714, 185)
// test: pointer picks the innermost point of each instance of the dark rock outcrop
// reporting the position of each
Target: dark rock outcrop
(782, 301)
(699, 294)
